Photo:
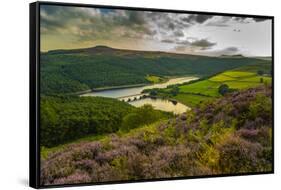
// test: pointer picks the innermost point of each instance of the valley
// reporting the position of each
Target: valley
(151, 103)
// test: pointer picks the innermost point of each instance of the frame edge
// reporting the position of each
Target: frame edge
(33, 132)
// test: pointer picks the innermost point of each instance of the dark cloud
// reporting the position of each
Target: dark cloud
(48, 14)
(197, 18)
(88, 23)
(136, 17)
(247, 19)
(226, 51)
(231, 50)
(185, 19)
(77, 25)
(203, 44)
(168, 41)
(242, 20)
(259, 19)
(190, 44)
(222, 21)
(171, 26)
(239, 19)
(178, 33)
(203, 18)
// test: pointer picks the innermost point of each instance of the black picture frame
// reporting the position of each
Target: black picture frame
(34, 93)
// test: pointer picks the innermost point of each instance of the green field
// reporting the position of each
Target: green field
(191, 99)
(205, 87)
(239, 78)
(154, 79)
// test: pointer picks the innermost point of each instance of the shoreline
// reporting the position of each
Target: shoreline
(118, 87)
(100, 89)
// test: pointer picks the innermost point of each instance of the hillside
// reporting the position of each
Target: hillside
(207, 88)
(227, 136)
(68, 71)
(67, 118)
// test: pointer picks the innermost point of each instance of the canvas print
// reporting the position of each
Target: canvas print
(129, 95)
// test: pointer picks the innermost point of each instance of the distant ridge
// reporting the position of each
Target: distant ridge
(109, 50)
(95, 49)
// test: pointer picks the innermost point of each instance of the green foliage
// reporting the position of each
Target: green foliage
(142, 116)
(175, 90)
(154, 79)
(192, 100)
(66, 118)
(260, 72)
(223, 89)
(153, 92)
(262, 107)
(205, 87)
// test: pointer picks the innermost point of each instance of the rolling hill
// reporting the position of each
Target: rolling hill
(207, 88)
(68, 71)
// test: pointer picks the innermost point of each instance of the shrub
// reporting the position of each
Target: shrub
(237, 156)
(223, 89)
(175, 90)
(142, 116)
(260, 72)
(261, 107)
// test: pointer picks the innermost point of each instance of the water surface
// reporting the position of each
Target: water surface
(134, 94)
(124, 92)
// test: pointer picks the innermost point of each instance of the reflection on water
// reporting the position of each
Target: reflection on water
(135, 93)
(117, 93)
(162, 104)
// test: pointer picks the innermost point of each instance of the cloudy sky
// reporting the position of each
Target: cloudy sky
(76, 27)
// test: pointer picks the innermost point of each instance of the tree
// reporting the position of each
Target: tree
(260, 72)
(153, 92)
(175, 90)
(141, 116)
(223, 89)
(261, 80)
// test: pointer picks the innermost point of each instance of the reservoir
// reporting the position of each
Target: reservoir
(131, 92)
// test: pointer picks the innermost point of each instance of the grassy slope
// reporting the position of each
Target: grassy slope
(239, 78)
(154, 79)
(230, 135)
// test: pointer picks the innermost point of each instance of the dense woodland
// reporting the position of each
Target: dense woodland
(66, 118)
